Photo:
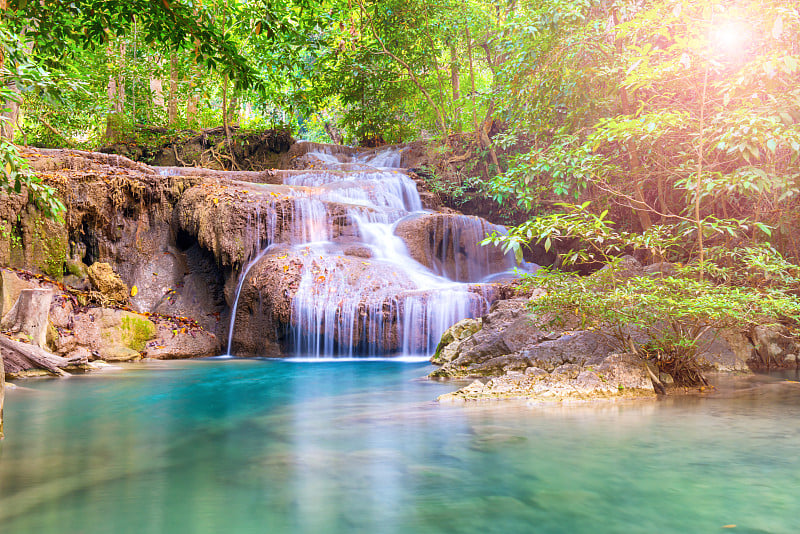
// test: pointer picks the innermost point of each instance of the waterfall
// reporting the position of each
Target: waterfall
(358, 291)
(412, 305)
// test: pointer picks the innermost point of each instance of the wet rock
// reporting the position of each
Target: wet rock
(359, 251)
(496, 347)
(451, 339)
(449, 244)
(107, 282)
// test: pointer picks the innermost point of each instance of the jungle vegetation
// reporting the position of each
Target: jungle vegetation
(665, 129)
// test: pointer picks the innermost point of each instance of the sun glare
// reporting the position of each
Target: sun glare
(729, 38)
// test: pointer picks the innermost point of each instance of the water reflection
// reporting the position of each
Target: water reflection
(263, 446)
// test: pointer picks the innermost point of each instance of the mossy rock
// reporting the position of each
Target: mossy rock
(136, 332)
(76, 268)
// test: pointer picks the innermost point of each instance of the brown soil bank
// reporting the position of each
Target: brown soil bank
(254, 150)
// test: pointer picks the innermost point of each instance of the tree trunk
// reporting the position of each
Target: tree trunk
(333, 133)
(11, 116)
(233, 110)
(20, 358)
(30, 315)
(225, 127)
(455, 82)
(172, 103)
(641, 208)
(116, 99)
(191, 111)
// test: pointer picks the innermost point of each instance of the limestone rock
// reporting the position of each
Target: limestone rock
(448, 346)
(449, 244)
(109, 334)
(107, 282)
(171, 344)
(616, 376)
(774, 346)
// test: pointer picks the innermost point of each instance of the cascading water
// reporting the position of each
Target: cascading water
(360, 292)
(410, 306)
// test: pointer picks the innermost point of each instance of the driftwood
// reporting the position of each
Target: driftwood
(29, 315)
(19, 357)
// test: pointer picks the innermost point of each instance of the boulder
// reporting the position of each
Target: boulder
(175, 343)
(107, 282)
(448, 347)
(774, 346)
(109, 334)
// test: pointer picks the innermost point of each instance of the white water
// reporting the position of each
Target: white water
(411, 306)
(387, 304)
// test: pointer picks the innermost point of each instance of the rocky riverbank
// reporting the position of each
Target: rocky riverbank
(512, 354)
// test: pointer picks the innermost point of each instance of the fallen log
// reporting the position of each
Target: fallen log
(19, 359)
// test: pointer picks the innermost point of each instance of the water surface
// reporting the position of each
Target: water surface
(350, 447)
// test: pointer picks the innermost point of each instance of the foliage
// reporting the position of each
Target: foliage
(16, 176)
(666, 314)
(666, 318)
(669, 109)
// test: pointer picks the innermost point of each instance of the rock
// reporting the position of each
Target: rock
(358, 251)
(76, 268)
(773, 345)
(109, 334)
(81, 284)
(118, 353)
(107, 282)
(448, 346)
(449, 244)
(171, 344)
(510, 339)
(663, 268)
(616, 376)
(29, 315)
(535, 371)
(627, 267)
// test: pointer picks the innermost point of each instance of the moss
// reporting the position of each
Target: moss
(46, 245)
(136, 332)
(76, 268)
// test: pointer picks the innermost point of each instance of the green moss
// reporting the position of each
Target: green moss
(76, 268)
(48, 246)
(136, 332)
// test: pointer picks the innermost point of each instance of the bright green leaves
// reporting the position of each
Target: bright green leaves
(16, 176)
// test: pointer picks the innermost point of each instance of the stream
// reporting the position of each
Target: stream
(356, 446)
